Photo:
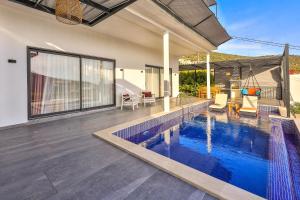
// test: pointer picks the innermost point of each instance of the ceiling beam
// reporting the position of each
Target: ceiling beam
(38, 2)
(96, 5)
(111, 12)
(203, 20)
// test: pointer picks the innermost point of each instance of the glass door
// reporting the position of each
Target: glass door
(154, 80)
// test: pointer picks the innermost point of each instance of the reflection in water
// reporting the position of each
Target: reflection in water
(208, 133)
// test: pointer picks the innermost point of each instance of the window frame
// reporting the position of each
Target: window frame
(79, 56)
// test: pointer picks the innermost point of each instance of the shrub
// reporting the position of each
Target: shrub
(187, 83)
(295, 108)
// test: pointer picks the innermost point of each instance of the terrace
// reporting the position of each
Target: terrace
(63, 135)
(62, 160)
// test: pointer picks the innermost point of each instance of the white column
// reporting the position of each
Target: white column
(208, 75)
(166, 52)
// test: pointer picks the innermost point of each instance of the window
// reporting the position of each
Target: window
(154, 80)
(61, 82)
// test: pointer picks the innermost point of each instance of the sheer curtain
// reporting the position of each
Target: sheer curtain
(108, 83)
(55, 83)
(97, 83)
(152, 78)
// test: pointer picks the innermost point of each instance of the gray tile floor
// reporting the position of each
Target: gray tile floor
(62, 160)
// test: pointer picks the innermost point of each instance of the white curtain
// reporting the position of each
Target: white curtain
(55, 83)
(97, 83)
(152, 80)
(58, 87)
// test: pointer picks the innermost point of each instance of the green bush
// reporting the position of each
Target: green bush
(187, 84)
(295, 108)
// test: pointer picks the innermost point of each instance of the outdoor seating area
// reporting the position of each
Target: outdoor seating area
(133, 100)
(202, 91)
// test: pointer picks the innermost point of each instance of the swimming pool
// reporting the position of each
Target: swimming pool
(225, 155)
(234, 152)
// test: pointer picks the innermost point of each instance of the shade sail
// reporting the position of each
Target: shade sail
(264, 61)
(197, 15)
(94, 11)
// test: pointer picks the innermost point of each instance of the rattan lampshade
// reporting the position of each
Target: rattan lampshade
(68, 11)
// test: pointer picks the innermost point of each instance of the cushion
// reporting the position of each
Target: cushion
(147, 94)
(217, 106)
(258, 91)
(244, 91)
(126, 97)
(252, 91)
(252, 110)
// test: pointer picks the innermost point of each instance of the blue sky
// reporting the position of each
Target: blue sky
(270, 20)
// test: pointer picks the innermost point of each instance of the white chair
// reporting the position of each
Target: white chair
(148, 97)
(220, 102)
(129, 100)
(249, 107)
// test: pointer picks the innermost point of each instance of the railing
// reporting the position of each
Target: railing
(270, 92)
(183, 98)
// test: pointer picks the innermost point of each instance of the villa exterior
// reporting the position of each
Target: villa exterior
(49, 68)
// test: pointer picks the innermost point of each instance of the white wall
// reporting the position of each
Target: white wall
(294, 87)
(19, 30)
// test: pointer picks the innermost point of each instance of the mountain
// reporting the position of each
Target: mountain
(216, 57)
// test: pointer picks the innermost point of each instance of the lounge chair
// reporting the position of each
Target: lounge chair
(129, 100)
(220, 103)
(148, 97)
(249, 106)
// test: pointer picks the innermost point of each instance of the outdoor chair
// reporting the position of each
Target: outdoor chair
(220, 103)
(249, 107)
(148, 97)
(129, 100)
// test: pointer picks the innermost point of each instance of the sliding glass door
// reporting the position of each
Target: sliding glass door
(97, 83)
(154, 80)
(60, 82)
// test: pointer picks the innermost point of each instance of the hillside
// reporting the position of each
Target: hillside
(295, 62)
(216, 57)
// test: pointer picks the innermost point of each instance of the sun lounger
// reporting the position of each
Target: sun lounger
(220, 102)
(249, 106)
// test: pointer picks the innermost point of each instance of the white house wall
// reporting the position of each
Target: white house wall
(19, 30)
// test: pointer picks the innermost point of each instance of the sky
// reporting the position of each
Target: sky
(269, 20)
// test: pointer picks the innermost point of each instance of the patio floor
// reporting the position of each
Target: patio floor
(62, 160)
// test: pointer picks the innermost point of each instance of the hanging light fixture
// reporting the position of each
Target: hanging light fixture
(68, 11)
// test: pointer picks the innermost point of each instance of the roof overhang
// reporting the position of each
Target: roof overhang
(196, 15)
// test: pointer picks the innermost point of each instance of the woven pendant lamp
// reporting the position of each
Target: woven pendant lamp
(68, 11)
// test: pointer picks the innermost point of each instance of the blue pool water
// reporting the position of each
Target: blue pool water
(234, 152)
